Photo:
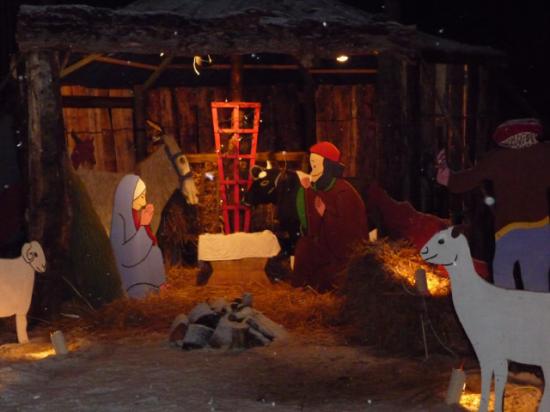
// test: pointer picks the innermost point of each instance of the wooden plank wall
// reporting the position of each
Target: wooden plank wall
(345, 116)
(185, 112)
(111, 129)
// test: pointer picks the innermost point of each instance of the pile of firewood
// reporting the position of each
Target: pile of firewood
(222, 324)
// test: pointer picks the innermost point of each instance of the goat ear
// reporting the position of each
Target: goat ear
(26, 253)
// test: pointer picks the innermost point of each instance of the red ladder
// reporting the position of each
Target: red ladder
(228, 149)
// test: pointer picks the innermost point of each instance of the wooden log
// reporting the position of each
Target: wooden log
(178, 329)
(390, 145)
(411, 131)
(49, 214)
(196, 337)
(308, 106)
(294, 157)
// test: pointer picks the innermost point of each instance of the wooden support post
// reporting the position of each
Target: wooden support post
(391, 146)
(308, 104)
(140, 116)
(236, 78)
(48, 203)
(412, 129)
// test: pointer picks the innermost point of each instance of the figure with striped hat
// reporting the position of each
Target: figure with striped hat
(519, 170)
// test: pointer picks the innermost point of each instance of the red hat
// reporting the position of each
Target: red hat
(326, 150)
(516, 127)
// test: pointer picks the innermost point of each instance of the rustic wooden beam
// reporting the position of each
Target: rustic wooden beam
(236, 78)
(343, 71)
(128, 63)
(79, 64)
(261, 156)
(96, 101)
(156, 74)
(49, 216)
(145, 66)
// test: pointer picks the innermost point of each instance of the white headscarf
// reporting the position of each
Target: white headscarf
(140, 188)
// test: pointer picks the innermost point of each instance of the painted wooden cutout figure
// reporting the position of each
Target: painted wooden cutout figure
(138, 257)
(16, 285)
(502, 325)
(519, 170)
(166, 170)
(333, 220)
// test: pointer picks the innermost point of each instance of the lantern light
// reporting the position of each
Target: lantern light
(342, 58)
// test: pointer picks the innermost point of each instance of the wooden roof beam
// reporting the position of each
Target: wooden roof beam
(128, 63)
(79, 64)
(156, 74)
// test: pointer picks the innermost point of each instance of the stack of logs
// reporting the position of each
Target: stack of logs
(219, 324)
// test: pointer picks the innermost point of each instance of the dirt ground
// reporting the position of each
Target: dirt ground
(146, 373)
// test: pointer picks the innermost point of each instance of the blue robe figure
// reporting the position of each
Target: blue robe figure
(138, 257)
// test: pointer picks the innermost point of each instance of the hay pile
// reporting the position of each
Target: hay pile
(384, 310)
(301, 311)
(375, 306)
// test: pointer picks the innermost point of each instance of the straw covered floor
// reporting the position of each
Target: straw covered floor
(376, 305)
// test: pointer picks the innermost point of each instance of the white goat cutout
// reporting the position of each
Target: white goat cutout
(16, 284)
(502, 325)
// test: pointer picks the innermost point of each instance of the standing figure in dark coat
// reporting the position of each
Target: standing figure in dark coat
(138, 257)
(519, 170)
(333, 221)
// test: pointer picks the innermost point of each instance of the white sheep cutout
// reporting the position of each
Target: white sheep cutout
(502, 325)
(16, 284)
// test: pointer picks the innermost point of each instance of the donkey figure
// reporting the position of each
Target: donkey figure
(164, 171)
(279, 187)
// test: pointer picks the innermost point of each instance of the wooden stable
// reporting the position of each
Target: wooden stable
(402, 96)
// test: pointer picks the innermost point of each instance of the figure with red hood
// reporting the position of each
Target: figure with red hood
(333, 220)
(519, 170)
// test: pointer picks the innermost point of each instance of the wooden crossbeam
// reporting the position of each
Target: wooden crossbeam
(262, 156)
(120, 62)
(128, 63)
(79, 64)
(156, 74)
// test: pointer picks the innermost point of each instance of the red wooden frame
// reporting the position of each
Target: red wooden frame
(231, 203)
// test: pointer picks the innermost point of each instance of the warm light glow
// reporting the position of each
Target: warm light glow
(161, 54)
(40, 354)
(342, 59)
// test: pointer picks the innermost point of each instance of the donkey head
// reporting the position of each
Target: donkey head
(183, 169)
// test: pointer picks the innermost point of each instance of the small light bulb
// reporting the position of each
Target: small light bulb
(342, 58)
